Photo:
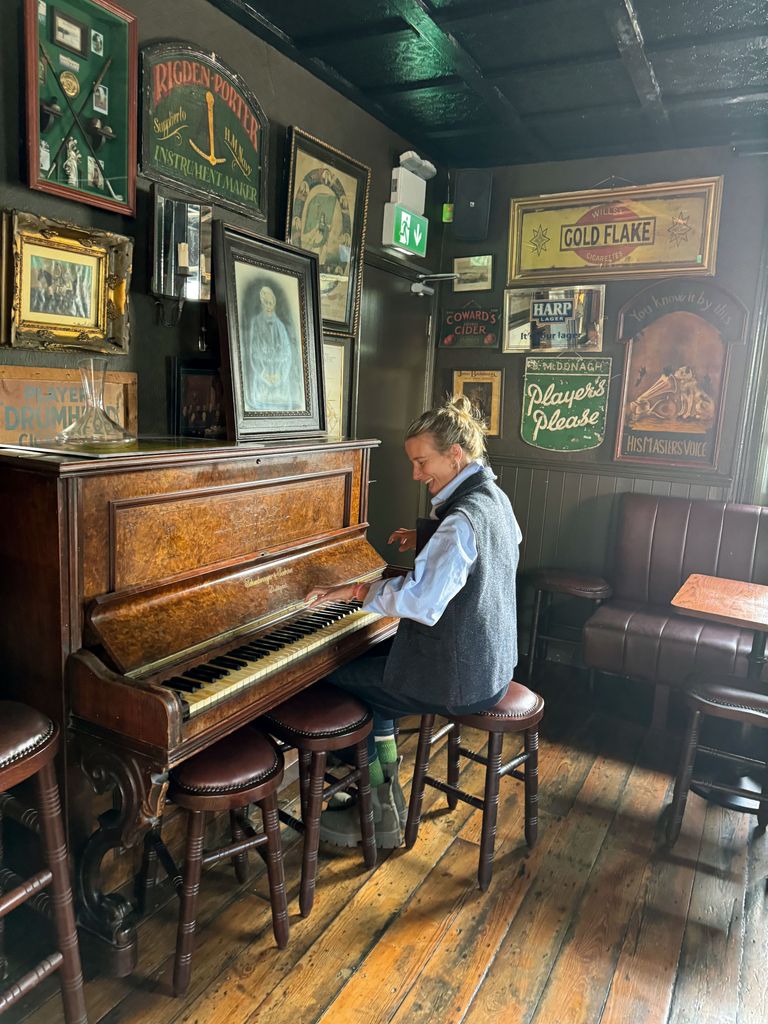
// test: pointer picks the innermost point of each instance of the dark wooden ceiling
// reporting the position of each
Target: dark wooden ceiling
(488, 82)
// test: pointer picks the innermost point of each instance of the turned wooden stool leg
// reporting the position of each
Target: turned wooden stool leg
(3, 957)
(305, 774)
(55, 850)
(365, 805)
(762, 811)
(193, 866)
(454, 739)
(312, 806)
(275, 872)
(490, 809)
(683, 780)
(240, 860)
(532, 786)
(417, 787)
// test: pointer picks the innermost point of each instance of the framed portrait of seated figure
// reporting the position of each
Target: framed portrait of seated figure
(269, 321)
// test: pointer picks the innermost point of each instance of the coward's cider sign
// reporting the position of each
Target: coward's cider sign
(202, 129)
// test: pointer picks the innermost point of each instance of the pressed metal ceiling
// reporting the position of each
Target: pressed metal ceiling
(487, 82)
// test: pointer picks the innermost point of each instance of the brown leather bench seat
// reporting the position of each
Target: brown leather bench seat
(660, 542)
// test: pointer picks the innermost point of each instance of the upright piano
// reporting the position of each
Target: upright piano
(152, 603)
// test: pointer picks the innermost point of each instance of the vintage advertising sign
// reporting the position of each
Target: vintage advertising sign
(564, 402)
(678, 336)
(472, 326)
(202, 128)
(37, 402)
(554, 319)
(668, 228)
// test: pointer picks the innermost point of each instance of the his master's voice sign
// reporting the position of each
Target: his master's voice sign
(564, 402)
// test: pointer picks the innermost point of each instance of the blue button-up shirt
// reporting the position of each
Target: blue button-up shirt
(440, 570)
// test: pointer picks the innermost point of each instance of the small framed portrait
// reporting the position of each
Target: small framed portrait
(101, 99)
(97, 43)
(272, 349)
(337, 353)
(484, 390)
(70, 287)
(69, 33)
(196, 399)
(473, 273)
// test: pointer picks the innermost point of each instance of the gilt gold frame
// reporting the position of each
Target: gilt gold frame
(639, 230)
(69, 285)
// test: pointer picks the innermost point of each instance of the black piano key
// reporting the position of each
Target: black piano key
(227, 661)
(186, 685)
(248, 652)
(205, 675)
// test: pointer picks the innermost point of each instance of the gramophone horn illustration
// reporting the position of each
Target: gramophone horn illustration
(674, 396)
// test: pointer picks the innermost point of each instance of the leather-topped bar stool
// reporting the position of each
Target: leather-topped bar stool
(316, 722)
(243, 768)
(717, 700)
(560, 581)
(519, 711)
(28, 745)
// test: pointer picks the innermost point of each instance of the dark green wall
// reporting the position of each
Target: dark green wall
(565, 502)
(288, 94)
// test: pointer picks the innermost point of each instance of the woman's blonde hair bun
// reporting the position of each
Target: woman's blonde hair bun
(455, 421)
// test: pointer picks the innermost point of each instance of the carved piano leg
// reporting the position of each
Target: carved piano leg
(107, 921)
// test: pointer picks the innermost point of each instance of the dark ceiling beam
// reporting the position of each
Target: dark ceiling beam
(621, 17)
(321, 41)
(492, 8)
(420, 17)
(246, 14)
(398, 88)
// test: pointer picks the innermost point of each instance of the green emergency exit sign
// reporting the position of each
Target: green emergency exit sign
(404, 229)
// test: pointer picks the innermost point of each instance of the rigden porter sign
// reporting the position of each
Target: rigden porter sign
(668, 228)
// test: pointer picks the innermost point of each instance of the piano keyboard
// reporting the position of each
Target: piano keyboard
(248, 663)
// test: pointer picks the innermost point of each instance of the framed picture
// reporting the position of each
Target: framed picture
(471, 326)
(69, 33)
(326, 214)
(565, 319)
(82, 111)
(203, 130)
(272, 347)
(337, 362)
(69, 288)
(474, 273)
(196, 399)
(666, 228)
(484, 390)
(678, 336)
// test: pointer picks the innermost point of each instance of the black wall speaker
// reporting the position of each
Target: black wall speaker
(472, 205)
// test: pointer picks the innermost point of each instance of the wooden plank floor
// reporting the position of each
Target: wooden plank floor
(599, 923)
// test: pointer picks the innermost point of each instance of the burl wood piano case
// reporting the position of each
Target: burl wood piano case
(124, 575)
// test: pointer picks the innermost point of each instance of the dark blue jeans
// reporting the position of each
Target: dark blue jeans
(364, 678)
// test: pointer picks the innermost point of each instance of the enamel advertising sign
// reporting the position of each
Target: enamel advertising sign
(668, 228)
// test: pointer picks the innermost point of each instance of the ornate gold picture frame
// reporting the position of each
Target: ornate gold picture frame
(68, 285)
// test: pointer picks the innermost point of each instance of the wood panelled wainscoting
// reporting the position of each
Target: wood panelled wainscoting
(599, 924)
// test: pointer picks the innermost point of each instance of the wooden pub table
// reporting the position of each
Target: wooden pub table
(736, 603)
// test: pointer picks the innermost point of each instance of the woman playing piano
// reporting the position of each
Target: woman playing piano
(456, 647)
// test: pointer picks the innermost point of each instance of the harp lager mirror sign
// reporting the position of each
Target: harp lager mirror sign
(564, 402)
(202, 128)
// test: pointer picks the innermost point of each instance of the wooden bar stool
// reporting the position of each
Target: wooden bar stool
(519, 711)
(316, 722)
(547, 582)
(724, 702)
(28, 745)
(244, 768)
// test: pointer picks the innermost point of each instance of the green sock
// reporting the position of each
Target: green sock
(377, 773)
(387, 750)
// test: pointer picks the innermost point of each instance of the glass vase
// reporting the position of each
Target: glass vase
(94, 425)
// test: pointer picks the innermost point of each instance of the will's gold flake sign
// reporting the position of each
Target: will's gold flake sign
(202, 128)
(668, 228)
